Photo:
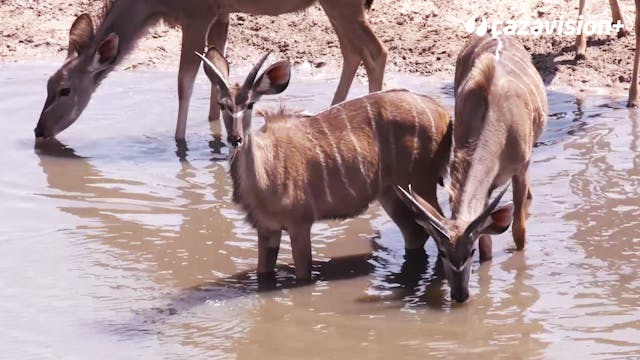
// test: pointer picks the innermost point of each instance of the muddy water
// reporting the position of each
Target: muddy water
(119, 242)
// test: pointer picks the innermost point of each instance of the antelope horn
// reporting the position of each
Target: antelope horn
(251, 78)
(215, 74)
(431, 219)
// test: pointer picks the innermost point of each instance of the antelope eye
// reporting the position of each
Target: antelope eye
(250, 106)
(473, 252)
(64, 92)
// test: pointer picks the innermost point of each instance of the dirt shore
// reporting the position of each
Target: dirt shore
(422, 36)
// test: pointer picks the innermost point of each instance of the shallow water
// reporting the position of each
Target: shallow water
(122, 243)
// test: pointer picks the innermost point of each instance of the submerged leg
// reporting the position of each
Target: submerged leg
(300, 235)
(268, 248)
(193, 37)
(414, 234)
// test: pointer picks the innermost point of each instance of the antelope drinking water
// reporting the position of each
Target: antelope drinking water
(500, 112)
(94, 53)
(298, 169)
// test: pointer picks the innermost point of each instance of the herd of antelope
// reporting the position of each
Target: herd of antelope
(392, 146)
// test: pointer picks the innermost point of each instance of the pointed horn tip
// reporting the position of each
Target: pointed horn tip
(403, 190)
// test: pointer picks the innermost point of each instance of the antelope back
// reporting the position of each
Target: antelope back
(335, 163)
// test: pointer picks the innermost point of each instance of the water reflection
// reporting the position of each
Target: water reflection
(607, 307)
(136, 248)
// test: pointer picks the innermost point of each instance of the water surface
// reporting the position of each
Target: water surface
(120, 242)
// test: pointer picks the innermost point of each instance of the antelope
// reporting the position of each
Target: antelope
(93, 54)
(581, 41)
(298, 169)
(581, 45)
(500, 111)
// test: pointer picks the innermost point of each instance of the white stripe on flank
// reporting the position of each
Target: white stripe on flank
(357, 147)
(498, 49)
(325, 176)
(392, 140)
(336, 152)
(414, 153)
(525, 79)
(431, 119)
(374, 128)
(536, 76)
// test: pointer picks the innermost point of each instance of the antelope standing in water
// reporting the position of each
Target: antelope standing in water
(298, 169)
(581, 45)
(93, 54)
(500, 112)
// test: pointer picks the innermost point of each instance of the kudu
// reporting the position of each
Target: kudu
(616, 14)
(500, 112)
(92, 54)
(298, 169)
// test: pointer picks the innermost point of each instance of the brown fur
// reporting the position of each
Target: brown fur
(204, 22)
(500, 112)
(279, 173)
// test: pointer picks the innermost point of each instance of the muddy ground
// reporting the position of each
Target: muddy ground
(422, 36)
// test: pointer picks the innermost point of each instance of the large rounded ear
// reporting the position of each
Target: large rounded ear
(216, 67)
(106, 53)
(493, 220)
(274, 80)
(80, 35)
(499, 220)
(219, 61)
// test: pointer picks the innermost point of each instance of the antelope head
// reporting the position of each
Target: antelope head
(236, 102)
(70, 87)
(456, 240)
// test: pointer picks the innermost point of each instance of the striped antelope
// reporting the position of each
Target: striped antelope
(298, 169)
(93, 54)
(581, 46)
(500, 112)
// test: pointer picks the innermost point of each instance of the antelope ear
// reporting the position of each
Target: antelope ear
(274, 80)
(217, 69)
(80, 35)
(107, 53)
(499, 220)
(219, 61)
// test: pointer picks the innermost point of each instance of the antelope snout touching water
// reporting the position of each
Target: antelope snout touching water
(298, 169)
(500, 112)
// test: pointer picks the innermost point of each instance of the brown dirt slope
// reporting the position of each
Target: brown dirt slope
(422, 36)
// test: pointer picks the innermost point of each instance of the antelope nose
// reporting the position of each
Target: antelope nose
(461, 296)
(234, 139)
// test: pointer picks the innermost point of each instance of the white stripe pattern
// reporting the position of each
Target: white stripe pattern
(374, 128)
(336, 152)
(357, 147)
(323, 163)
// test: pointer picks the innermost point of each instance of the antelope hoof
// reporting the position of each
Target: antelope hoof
(580, 56)
(266, 280)
(622, 33)
(633, 103)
